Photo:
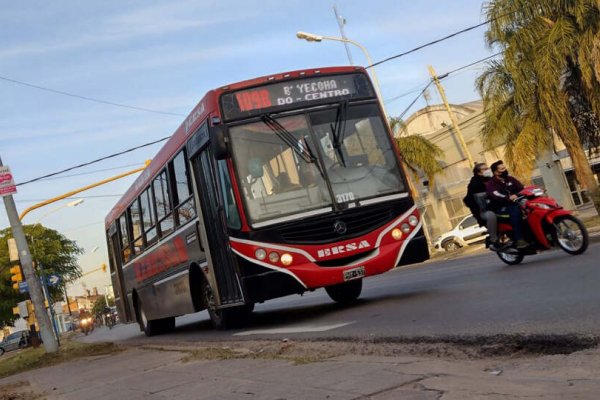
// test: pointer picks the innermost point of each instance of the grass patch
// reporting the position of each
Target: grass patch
(36, 358)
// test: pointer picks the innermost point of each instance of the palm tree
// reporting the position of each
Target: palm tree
(418, 153)
(546, 82)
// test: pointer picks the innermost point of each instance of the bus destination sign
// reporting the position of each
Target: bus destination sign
(245, 103)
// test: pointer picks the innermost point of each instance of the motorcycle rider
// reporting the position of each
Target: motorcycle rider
(476, 201)
(502, 191)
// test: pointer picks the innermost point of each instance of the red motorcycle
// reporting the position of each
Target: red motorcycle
(545, 225)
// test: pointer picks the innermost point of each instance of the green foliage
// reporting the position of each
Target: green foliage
(49, 248)
(99, 305)
(417, 152)
(547, 81)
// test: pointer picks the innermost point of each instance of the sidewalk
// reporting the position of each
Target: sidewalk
(216, 374)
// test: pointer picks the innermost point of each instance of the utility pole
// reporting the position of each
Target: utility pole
(33, 282)
(461, 139)
(341, 22)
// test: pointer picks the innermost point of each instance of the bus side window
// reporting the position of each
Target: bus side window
(183, 200)
(136, 225)
(125, 238)
(164, 209)
(148, 217)
(231, 210)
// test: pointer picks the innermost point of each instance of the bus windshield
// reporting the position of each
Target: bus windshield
(313, 162)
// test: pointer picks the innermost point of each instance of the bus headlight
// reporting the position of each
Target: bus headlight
(286, 259)
(413, 221)
(273, 257)
(260, 254)
(396, 234)
(405, 228)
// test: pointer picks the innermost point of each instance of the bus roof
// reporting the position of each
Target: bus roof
(207, 106)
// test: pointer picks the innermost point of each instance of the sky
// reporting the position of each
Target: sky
(164, 56)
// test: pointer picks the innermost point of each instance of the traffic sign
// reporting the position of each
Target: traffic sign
(7, 184)
(23, 287)
(53, 279)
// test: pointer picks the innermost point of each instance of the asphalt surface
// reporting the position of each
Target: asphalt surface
(552, 293)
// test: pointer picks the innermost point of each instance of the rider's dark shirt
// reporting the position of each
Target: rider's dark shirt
(499, 192)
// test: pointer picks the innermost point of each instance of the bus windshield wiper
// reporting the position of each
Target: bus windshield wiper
(339, 130)
(288, 138)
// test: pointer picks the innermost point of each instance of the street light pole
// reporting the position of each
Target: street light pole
(33, 282)
(341, 22)
(46, 291)
(311, 37)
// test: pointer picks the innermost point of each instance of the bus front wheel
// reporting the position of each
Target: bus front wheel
(345, 293)
(224, 318)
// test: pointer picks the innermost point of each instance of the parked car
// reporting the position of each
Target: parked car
(466, 232)
(14, 341)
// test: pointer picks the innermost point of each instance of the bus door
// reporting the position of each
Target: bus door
(116, 273)
(229, 288)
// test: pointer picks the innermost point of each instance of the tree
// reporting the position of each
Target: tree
(50, 249)
(417, 152)
(100, 304)
(547, 81)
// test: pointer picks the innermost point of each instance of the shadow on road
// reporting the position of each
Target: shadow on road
(297, 314)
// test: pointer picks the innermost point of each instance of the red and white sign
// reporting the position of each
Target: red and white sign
(7, 184)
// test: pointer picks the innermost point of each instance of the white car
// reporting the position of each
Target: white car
(466, 232)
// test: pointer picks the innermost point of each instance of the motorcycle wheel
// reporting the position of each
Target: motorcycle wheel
(571, 234)
(511, 259)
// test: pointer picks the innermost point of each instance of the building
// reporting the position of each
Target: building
(442, 202)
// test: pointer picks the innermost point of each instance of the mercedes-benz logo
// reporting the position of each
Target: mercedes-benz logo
(339, 227)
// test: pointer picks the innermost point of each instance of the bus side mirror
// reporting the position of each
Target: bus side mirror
(219, 142)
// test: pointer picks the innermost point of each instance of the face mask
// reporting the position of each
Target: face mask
(504, 174)
(487, 173)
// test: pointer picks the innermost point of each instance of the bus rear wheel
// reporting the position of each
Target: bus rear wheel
(155, 326)
(345, 293)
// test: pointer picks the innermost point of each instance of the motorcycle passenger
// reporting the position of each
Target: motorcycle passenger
(476, 201)
(502, 191)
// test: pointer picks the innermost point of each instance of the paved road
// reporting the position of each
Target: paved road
(551, 293)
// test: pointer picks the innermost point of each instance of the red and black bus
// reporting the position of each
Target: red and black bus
(272, 186)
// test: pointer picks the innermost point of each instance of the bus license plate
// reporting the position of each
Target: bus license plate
(354, 273)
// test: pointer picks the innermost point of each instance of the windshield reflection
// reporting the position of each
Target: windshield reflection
(282, 165)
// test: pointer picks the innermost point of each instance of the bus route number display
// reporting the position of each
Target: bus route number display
(293, 92)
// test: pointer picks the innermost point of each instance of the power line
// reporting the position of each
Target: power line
(411, 91)
(429, 44)
(77, 96)
(71, 198)
(415, 100)
(443, 76)
(469, 65)
(93, 172)
(470, 28)
(94, 161)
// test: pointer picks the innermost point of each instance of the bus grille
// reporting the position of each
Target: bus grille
(358, 221)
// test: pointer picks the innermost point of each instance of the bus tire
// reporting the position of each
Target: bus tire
(224, 318)
(167, 325)
(149, 327)
(345, 293)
